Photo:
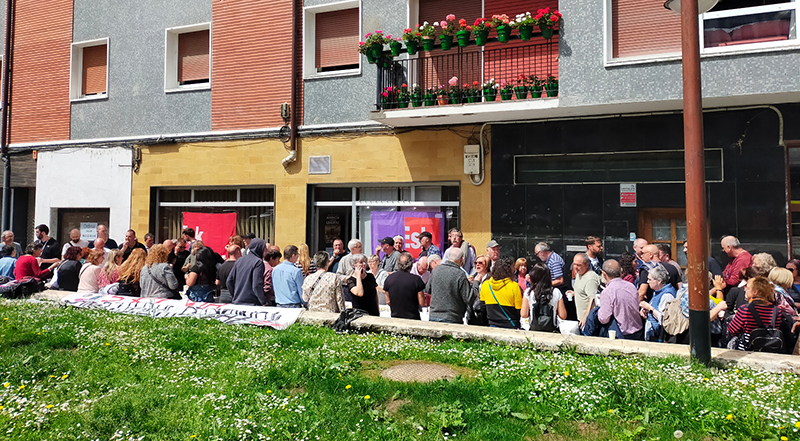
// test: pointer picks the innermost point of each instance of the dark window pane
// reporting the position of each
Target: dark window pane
(257, 195)
(228, 195)
(175, 196)
(329, 194)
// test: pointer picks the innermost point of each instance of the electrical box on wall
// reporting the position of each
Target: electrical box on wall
(472, 159)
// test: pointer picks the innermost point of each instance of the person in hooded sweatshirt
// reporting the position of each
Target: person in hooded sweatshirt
(246, 280)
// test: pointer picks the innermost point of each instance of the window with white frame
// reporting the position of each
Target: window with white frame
(331, 38)
(89, 70)
(738, 22)
(188, 57)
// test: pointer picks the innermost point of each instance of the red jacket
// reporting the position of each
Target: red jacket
(28, 267)
(733, 270)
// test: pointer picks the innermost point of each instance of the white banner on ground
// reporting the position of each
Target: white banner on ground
(278, 318)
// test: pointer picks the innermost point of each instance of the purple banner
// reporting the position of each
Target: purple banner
(408, 224)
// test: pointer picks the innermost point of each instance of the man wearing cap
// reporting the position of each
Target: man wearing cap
(428, 248)
(247, 238)
(389, 262)
(492, 251)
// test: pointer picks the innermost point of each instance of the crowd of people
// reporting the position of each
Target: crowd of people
(642, 295)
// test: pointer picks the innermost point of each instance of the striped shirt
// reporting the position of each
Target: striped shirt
(556, 265)
(744, 322)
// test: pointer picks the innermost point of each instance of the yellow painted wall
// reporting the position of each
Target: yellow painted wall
(417, 156)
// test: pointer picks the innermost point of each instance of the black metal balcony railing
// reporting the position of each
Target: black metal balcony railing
(472, 66)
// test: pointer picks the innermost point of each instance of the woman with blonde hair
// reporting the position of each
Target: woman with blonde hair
(130, 272)
(157, 279)
(783, 279)
(110, 272)
(304, 261)
(90, 272)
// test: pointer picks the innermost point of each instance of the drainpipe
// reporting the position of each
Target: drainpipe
(5, 114)
(295, 72)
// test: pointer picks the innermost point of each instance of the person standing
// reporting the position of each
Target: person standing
(149, 241)
(322, 290)
(492, 252)
(428, 248)
(246, 280)
(450, 289)
(102, 232)
(234, 253)
(51, 249)
(74, 241)
(404, 290)
(181, 255)
(457, 240)
(287, 279)
(585, 287)
(272, 258)
(362, 286)
(553, 261)
(130, 244)
(389, 262)
(502, 295)
(346, 264)
(594, 251)
(338, 253)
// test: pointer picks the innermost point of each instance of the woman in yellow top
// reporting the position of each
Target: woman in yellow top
(502, 295)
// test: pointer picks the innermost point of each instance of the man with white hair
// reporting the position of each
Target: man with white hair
(739, 260)
(346, 265)
(421, 269)
(450, 290)
(457, 240)
(8, 239)
(434, 260)
(638, 246)
(553, 261)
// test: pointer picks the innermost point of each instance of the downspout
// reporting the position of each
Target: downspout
(5, 115)
(295, 71)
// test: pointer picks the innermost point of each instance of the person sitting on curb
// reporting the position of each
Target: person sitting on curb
(618, 310)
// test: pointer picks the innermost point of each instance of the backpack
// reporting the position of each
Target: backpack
(764, 338)
(673, 321)
(542, 317)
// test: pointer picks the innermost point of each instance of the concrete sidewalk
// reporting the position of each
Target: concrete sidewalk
(540, 340)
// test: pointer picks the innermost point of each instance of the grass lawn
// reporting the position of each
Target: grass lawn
(78, 374)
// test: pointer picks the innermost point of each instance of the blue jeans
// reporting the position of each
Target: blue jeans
(290, 305)
(593, 328)
(202, 293)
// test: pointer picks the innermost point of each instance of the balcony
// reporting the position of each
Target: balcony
(472, 66)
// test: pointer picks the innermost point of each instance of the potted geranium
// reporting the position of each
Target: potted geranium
(376, 40)
(389, 98)
(403, 96)
(443, 95)
(551, 86)
(454, 91)
(449, 28)
(490, 90)
(481, 28)
(521, 89)
(412, 38)
(463, 33)
(524, 23)
(430, 96)
(506, 90)
(416, 95)
(547, 21)
(473, 94)
(366, 51)
(395, 45)
(427, 32)
(535, 85)
(501, 23)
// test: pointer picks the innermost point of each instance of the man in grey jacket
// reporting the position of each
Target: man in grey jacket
(450, 290)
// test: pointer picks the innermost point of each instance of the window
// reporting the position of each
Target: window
(89, 70)
(188, 58)
(732, 25)
(254, 207)
(332, 33)
(749, 22)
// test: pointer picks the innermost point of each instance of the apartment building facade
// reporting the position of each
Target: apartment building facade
(174, 108)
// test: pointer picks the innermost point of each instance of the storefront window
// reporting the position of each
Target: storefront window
(346, 212)
(254, 208)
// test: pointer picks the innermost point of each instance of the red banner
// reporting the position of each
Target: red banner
(214, 229)
(416, 225)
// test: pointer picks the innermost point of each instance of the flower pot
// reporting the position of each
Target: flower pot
(427, 43)
(447, 42)
(377, 50)
(395, 47)
(547, 31)
(552, 92)
(403, 104)
(416, 102)
(473, 99)
(505, 96)
(455, 98)
(489, 95)
(443, 100)
(536, 93)
(463, 38)
(526, 32)
(521, 92)
(481, 37)
(503, 33)
(412, 46)
(370, 57)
